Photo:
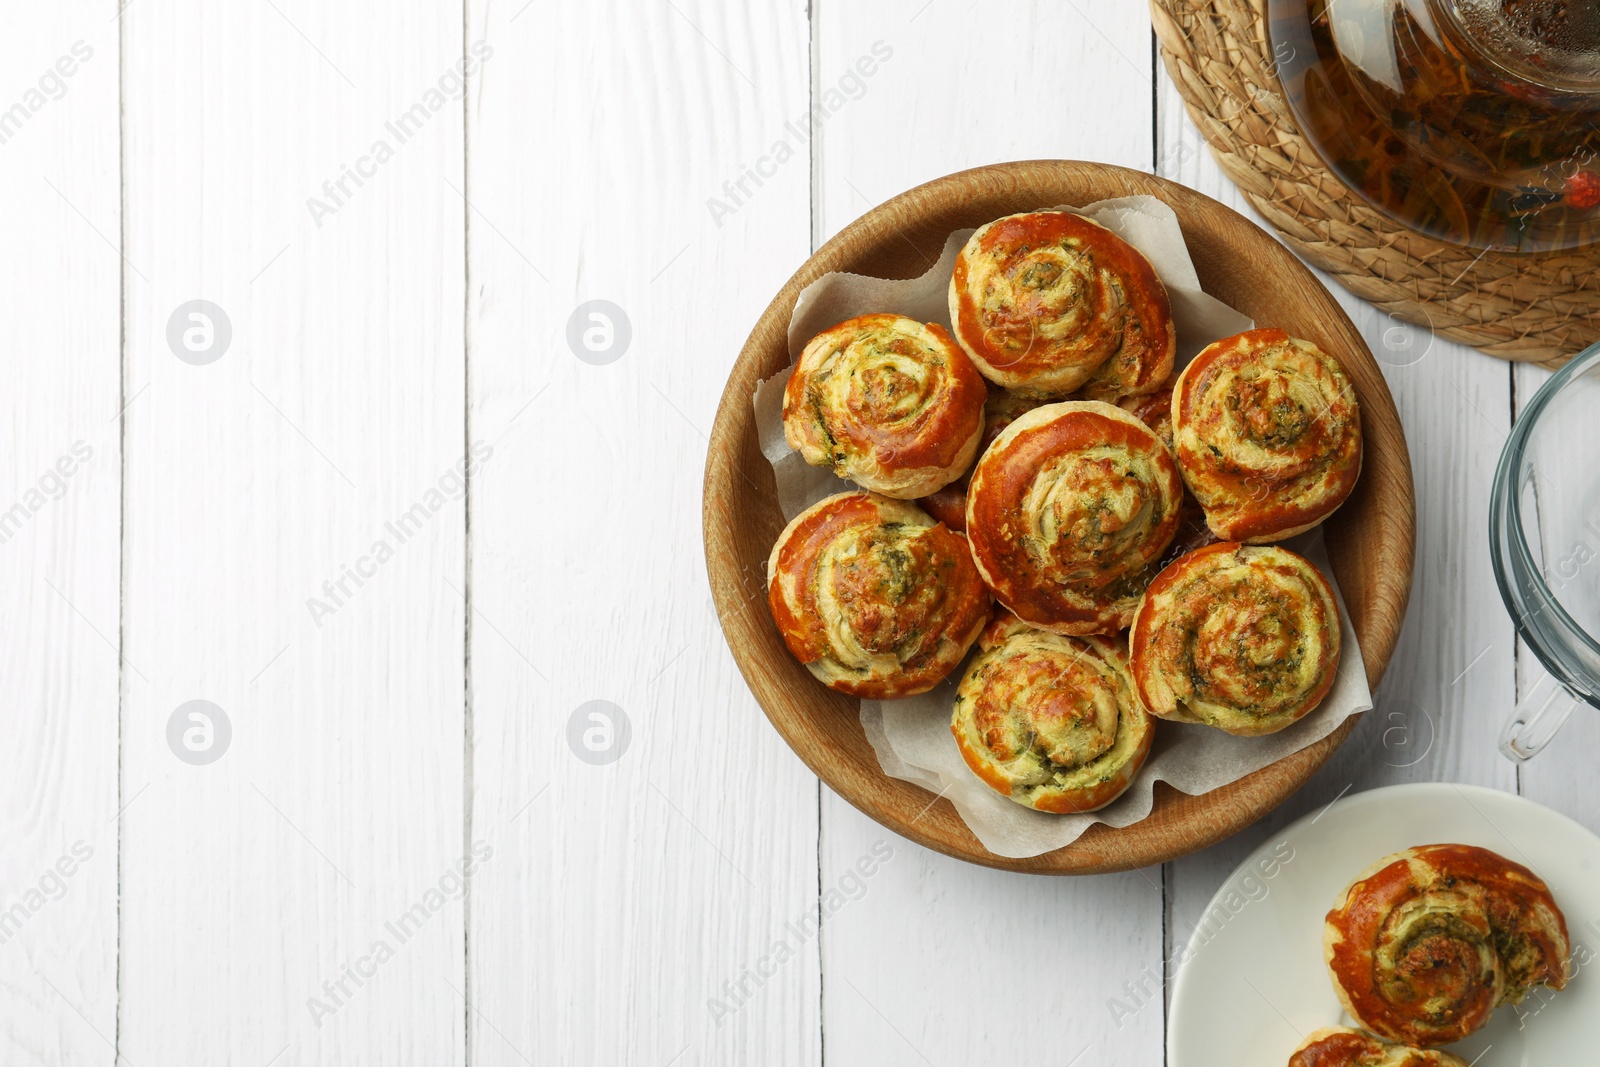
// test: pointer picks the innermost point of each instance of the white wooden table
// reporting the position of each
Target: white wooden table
(279, 525)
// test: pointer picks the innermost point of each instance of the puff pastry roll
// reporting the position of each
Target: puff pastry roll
(1067, 512)
(1339, 1046)
(1426, 943)
(947, 505)
(1001, 409)
(1154, 410)
(888, 402)
(1241, 637)
(873, 596)
(1268, 435)
(1050, 721)
(1048, 303)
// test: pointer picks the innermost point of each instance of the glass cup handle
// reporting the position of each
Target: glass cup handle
(1536, 720)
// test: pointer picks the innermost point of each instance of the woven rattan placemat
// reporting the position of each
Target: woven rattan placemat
(1539, 308)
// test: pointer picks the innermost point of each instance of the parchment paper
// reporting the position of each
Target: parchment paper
(912, 736)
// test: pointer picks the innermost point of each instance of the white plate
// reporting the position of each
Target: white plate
(1253, 984)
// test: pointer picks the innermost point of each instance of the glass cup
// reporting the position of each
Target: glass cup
(1544, 533)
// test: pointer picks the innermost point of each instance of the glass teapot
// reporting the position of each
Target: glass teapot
(1473, 121)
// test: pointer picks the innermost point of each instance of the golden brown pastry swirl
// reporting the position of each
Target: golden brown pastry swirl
(873, 596)
(1339, 1046)
(1049, 302)
(1268, 435)
(1426, 943)
(1067, 512)
(1050, 721)
(1244, 638)
(887, 402)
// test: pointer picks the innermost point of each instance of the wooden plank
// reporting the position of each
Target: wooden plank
(1438, 712)
(920, 957)
(60, 498)
(670, 867)
(298, 897)
(950, 89)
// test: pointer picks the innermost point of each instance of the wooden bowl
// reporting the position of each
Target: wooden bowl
(1371, 539)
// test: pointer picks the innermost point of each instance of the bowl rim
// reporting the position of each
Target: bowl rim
(1506, 530)
(811, 722)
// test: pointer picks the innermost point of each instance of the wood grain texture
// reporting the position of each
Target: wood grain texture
(60, 496)
(1369, 541)
(634, 910)
(250, 882)
(614, 151)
